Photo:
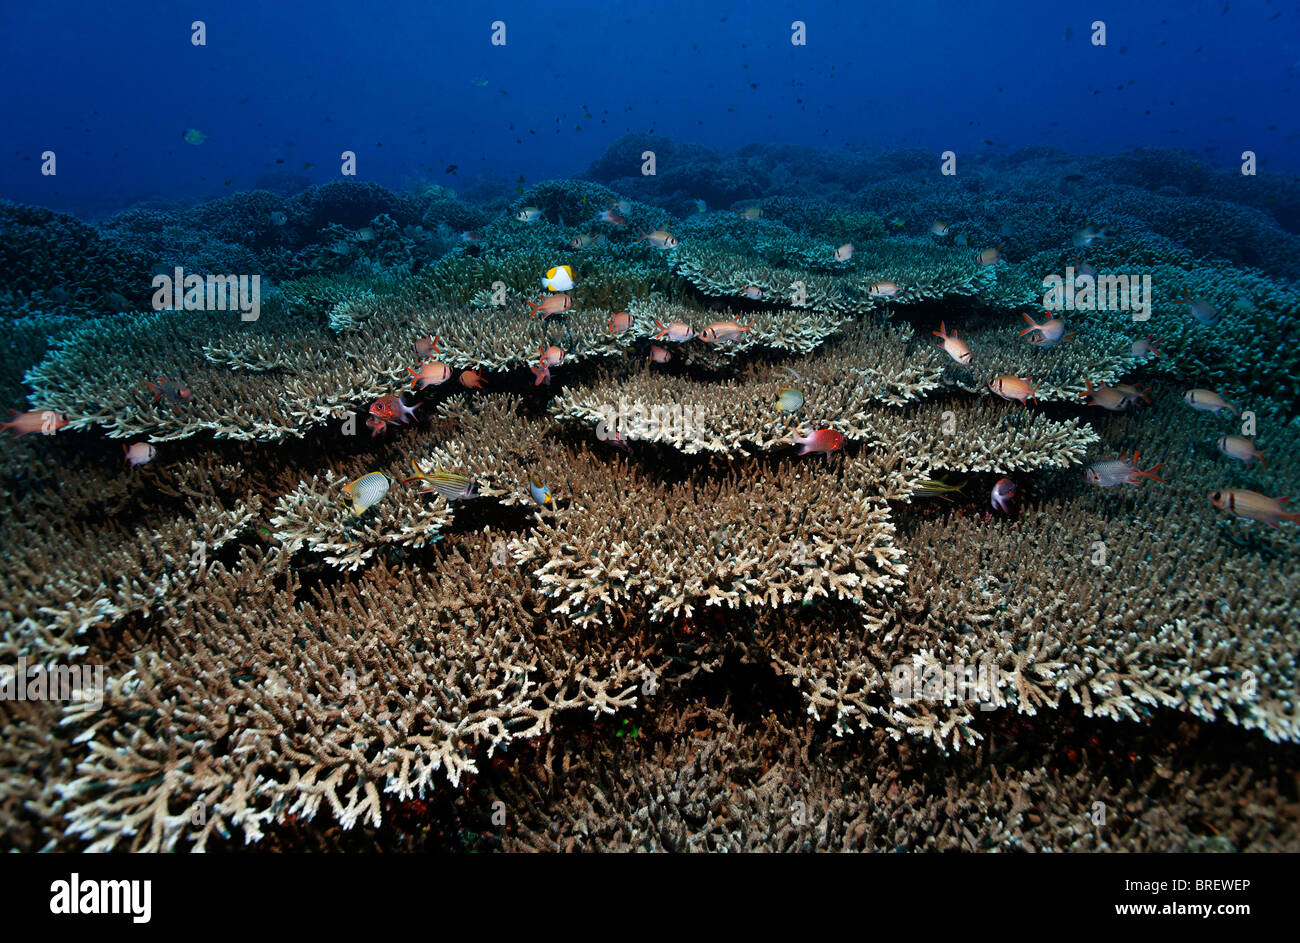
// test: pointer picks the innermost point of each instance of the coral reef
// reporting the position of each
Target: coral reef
(636, 617)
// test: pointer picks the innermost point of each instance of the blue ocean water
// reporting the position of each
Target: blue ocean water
(111, 89)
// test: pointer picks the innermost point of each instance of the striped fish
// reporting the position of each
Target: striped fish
(451, 486)
(367, 491)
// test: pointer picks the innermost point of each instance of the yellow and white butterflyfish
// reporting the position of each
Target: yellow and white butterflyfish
(559, 278)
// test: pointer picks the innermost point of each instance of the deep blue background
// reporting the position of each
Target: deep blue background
(112, 87)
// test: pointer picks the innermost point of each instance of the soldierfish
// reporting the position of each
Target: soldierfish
(174, 390)
(1050, 332)
(431, 373)
(552, 304)
(660, 239)
(1240, 448)
(1009, 388)
(392, 409)
(37, 420)
(675, 331)
(1004, 492)
(472, 379)
(720, 332)
(884, 290)
(1210, 402)
(956, 349)
(1106, 397)
(426, 347)
(659, 354)
(140, 453)
(619, 322)
(1121, 471)
(1254, 506)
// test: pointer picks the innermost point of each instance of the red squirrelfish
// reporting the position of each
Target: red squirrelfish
(1009, 388)
(1050, 332)
(955, 348)
(1254, 506)
(552, 304)
(1240, 448)
(392, 409)
(36, 420)
(1210, 402)
(1121, 471)
(720, 332)
(1107, 397)
(431, 373)
(820, 440)
(676, 331)
(174, 390)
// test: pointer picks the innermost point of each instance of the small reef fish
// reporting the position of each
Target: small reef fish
(479, 81)
(278, 217)
(1050, 333)
(529, 214)
(1004, 493)
(139, 453)
(543, 373)
(1131, 393)
(174, 390)
(367, 491)
(751, 212)
(1254, 506)
(701, 206)
(391, 409)
(559, 278)
(194, 136)
(1009, 388)
(1085, 237)
(721, 332)
(427, 347)
(611, 217)
(376, 426)
(939, 228)
(1210, 402)
(752, 292)
(431, 373)
(451, 486)
(954, 348)
(884, 290)
(579, 242)
(551, 356)
(1121, 471)
(619, 322)
(937, 488)
(820, 440)
(541, 494)
(1240, 448)
(1107, 397)
(471, 236)
(472, 379)
(659, 354)
(365, 234)
(36, 420)
(553, 304)
(789, 401)
(989, 256)
(1144, 347)
(676, 331)
(623, 206)
(1201, 309)
(660, 239)
(843, 253)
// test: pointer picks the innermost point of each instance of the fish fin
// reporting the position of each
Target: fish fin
(1260, 456)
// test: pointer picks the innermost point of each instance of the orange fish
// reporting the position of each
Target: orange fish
(174, 390)
(376, 426)
(659, 354)
(392, 409)
(472, 379)
(543, 373)
(431, 373)
(426, 347)
(37, 420)
(1009, 388)
(1254, 506)
(675, 331)
(620, 322)
(1050, 332)
(660, 239)
(720, 332)
(1107, 397)
(955, 348)
(820, 440)
(552, 304)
